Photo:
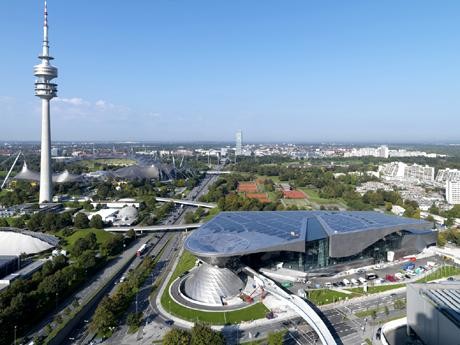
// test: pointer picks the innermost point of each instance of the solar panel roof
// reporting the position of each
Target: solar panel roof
(245, 232)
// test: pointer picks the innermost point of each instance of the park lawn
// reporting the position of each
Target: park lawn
(313, 196)
(376, 289)
(187, 262)
(101, 236)
(326, 296)
(300, 203)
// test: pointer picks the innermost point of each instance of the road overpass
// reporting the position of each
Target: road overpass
(187, 202)
(217, 172)
(301, 307)
(154, 228)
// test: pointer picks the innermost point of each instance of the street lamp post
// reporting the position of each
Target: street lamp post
(15, 329)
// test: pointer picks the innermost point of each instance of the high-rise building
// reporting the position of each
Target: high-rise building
(239, 143)
(453, 192)
(45, 90)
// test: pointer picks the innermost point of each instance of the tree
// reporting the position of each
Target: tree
(104, 317)
(3, 223)
(87, 260)
(49, 222)
(35, 222)
(202, 334)
(18, 222)
(373, 314)
(177, 337)
(96, 222)
(81, 221)
(134, 320)
(276, 338)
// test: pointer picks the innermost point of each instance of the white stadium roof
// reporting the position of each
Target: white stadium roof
(16, 242)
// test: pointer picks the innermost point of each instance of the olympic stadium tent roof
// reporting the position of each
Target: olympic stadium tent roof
(65, 177)
(26, 174)
(241, 233)
(16, 241)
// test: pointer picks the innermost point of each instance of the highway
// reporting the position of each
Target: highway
(80, 334)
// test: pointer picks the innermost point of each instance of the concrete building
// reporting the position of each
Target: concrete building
(419, 172)
(239, 143)
(46, 91)
(433, 312)
(445, 175)
(453, 192)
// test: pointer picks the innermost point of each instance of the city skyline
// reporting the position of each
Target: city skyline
(299, 73)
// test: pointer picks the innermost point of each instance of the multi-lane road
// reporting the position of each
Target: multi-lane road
(81, 335)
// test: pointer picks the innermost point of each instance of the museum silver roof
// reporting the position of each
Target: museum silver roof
(240, 233)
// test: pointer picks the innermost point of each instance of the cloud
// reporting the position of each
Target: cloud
(73, 101)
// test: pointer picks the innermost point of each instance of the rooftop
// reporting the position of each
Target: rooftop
(233, 233)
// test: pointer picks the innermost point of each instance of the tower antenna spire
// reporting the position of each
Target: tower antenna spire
(45, 31)
(46, 90)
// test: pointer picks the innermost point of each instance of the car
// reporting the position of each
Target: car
(328, 284)
(257, 334)
(450, 279)
(341, 284)
(378, 335)
(169, 322)
(335, 284)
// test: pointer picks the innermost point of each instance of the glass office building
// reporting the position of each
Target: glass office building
(311, 241)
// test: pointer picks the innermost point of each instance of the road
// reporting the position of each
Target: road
(80, 334)
(84, 294)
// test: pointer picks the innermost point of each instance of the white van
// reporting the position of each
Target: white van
(328, 285)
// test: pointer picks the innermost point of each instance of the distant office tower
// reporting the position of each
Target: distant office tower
(239, 143)
(453, 192)
(46, 90)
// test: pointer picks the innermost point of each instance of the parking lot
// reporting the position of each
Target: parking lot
(390, 272)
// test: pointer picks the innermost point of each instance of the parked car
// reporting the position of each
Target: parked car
(354, 281)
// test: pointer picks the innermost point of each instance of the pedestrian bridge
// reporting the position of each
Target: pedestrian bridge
(301, 307)
(187, 202)
(154, 228)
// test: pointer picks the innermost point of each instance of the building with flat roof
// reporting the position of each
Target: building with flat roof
(453, 192)
(433, 312)
(321, 242)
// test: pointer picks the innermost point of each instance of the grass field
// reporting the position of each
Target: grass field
(186, 262)
(101, 236)
(313, 196)
(326, 296)
(95, 163)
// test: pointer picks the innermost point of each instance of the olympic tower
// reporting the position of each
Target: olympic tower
(45, 90)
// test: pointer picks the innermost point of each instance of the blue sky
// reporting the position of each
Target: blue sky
(170, 70)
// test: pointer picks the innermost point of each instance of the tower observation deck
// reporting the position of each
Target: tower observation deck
(45, 90)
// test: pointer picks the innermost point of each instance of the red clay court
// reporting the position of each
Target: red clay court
(262, 197)
(294, 194)
(245, 187)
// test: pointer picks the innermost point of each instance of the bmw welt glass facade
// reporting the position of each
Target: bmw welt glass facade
(308, 240)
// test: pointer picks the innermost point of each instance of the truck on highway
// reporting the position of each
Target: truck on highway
(141, 250)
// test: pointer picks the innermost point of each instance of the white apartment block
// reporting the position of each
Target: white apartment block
(453, 192)
(410, 172)
(381, 151)
(445, 175)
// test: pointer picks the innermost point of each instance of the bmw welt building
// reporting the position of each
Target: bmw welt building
(311, 241)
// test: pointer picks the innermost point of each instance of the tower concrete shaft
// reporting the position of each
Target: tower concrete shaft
(45, 90)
